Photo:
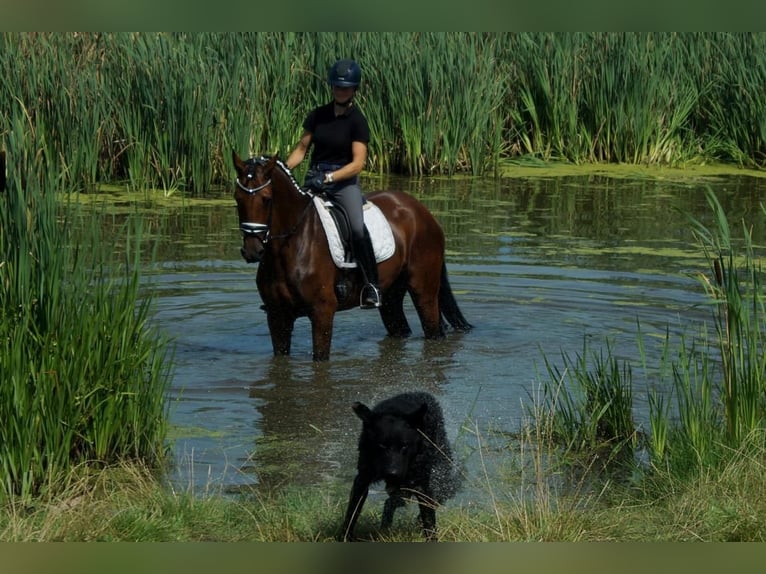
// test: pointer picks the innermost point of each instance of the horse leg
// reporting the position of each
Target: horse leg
(281, 331)
(321, 331)
(425, 296)
(392, 312)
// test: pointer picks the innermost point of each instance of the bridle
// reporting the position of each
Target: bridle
(263, 230)
(254, 229)
(252, 190)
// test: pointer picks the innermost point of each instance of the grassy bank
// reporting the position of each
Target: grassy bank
(165, 110)
(127, 504)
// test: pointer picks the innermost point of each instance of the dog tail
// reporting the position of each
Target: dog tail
(448, 305)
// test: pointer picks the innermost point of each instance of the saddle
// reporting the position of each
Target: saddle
(336, 227)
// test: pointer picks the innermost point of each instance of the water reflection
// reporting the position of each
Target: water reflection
(308, 430)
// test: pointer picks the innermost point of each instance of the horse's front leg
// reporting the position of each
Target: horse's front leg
(281, 330)
(322, 317)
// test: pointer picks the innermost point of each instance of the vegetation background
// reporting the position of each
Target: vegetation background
(165, 109)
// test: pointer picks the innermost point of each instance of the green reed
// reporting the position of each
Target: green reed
(718, 380)
(605, 97)
(731, 69)
(589, 403)
(735, 291)
(164, 110)
(84, 372)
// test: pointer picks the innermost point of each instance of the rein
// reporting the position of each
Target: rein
(290, 231)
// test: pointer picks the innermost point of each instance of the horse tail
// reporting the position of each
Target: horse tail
(448, 305)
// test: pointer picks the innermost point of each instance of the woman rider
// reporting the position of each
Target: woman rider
(339, 133)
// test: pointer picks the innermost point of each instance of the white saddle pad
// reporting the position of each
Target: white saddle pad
(377, 224)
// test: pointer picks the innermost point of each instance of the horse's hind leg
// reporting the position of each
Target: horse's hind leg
(425, 297)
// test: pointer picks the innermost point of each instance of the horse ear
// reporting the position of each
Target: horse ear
(238, 163)
(271, 163)
(362, 411)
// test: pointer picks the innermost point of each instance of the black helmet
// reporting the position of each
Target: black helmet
(345, 74)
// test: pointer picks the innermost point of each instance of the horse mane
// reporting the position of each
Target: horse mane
(263, 159)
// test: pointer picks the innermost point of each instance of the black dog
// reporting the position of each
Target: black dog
(403, 442)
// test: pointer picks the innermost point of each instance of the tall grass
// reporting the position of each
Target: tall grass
(606, 97)
(164, 110)
(84, 373)
(734, 288)
(706, 398)
(589, 404)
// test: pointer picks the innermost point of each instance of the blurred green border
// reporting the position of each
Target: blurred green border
(565, 558)
(446, 15)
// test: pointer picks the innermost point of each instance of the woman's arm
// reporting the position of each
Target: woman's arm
(358, 161)
(297, 155)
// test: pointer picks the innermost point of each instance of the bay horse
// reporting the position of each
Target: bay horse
(297, 276)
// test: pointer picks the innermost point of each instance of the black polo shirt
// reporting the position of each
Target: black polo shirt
(332, 136)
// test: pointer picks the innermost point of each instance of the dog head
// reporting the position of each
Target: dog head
(391, 441)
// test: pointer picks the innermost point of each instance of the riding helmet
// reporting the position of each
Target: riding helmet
(345, 74)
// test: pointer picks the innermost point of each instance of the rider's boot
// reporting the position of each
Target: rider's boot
(365, 258)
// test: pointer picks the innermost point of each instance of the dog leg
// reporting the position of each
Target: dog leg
(427, 516)
(393, 502)
(355, 502)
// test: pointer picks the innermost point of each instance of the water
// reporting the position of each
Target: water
(539, 265)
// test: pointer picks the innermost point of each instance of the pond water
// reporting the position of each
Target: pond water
(539, 265)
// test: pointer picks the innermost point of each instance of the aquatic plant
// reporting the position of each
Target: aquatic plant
(164, 110)
(589, 401)
(708, 394)
(84, 372)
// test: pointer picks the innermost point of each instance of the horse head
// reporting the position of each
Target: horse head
(254, 197)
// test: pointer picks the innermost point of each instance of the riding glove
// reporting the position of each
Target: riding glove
(317, 182)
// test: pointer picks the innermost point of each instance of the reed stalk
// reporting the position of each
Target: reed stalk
(706, 398)
(735, 291)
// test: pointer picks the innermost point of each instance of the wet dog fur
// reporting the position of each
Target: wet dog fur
(403, 443)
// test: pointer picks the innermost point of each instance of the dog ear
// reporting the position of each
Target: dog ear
(415, 420)
(362, 411)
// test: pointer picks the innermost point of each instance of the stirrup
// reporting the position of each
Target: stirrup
(369, 297)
